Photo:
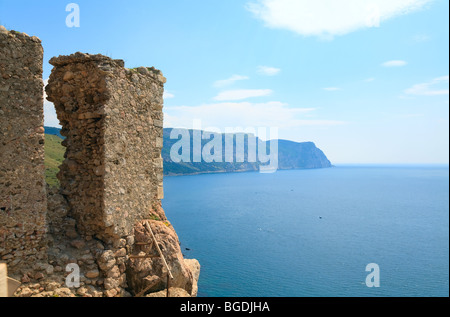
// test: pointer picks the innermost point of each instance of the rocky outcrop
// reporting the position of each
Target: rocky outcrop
(151, 273)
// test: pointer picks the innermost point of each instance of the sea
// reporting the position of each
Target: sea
(345, 231)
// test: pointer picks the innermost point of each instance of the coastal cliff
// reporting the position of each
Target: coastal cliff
(291, 155)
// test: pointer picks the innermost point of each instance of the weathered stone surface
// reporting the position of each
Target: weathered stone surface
(57, 210)
(106, 261)
(194, 267)
(139, 269)
(107, 112)
(22, 184)
(92, 274)
(111, 178)
(173, 292)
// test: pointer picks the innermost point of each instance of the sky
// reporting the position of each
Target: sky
(366, 81)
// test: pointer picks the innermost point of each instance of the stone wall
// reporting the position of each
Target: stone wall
(113, 123)
(111, 178)
(22, 182)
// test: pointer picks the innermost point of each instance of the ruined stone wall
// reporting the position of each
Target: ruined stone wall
(111, 179)
(112, 120)
(112, 176)
(22, 183)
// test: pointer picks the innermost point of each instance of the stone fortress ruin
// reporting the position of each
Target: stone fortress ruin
(107, 212)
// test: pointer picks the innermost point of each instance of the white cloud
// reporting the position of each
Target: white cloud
(242, 94)
(436, 87)
(328, 18)
(268, 71)
(331, 88)
(50, 118)
(168, 95)
(394, 63)
(242, 114)
(368, 80)
(229, 81)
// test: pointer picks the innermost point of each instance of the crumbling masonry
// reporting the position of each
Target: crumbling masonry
(111, 178)
(113, 123)
(23, 201)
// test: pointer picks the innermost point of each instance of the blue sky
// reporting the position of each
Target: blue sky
(367, 81)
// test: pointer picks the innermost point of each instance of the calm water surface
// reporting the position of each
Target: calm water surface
(312, 232)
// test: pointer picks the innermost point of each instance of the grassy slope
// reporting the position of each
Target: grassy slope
(54, 156)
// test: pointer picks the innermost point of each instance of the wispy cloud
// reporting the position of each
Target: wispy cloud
(394, 63)
(168, 95)
(328, 18)
(229, 81)
(50, 117)
(331, 88)
(243, 114)
(368, 80)
(436, 87)
(241, 94)
(268, 71)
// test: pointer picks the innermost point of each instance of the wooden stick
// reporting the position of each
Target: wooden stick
(143, 256)
(168, 285)
(157, 247)
(3, 280)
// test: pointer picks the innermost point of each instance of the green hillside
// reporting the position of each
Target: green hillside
(54, 156)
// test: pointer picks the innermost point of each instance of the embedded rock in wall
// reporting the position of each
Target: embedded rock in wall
(113, 123)
(22, 183)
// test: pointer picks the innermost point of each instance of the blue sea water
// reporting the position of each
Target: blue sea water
(304, 233)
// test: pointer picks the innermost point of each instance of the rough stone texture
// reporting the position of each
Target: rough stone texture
(112, 176)
(22, 182)
(143, 273)
(111, 179)
(194, 266)
(173, 292)
(48, 279)
(112, 120)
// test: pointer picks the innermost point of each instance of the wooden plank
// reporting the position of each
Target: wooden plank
(3, 280)
(168, 286)
(159, 250)
(143, 256)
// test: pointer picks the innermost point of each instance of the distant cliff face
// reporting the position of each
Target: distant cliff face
(291, 155)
